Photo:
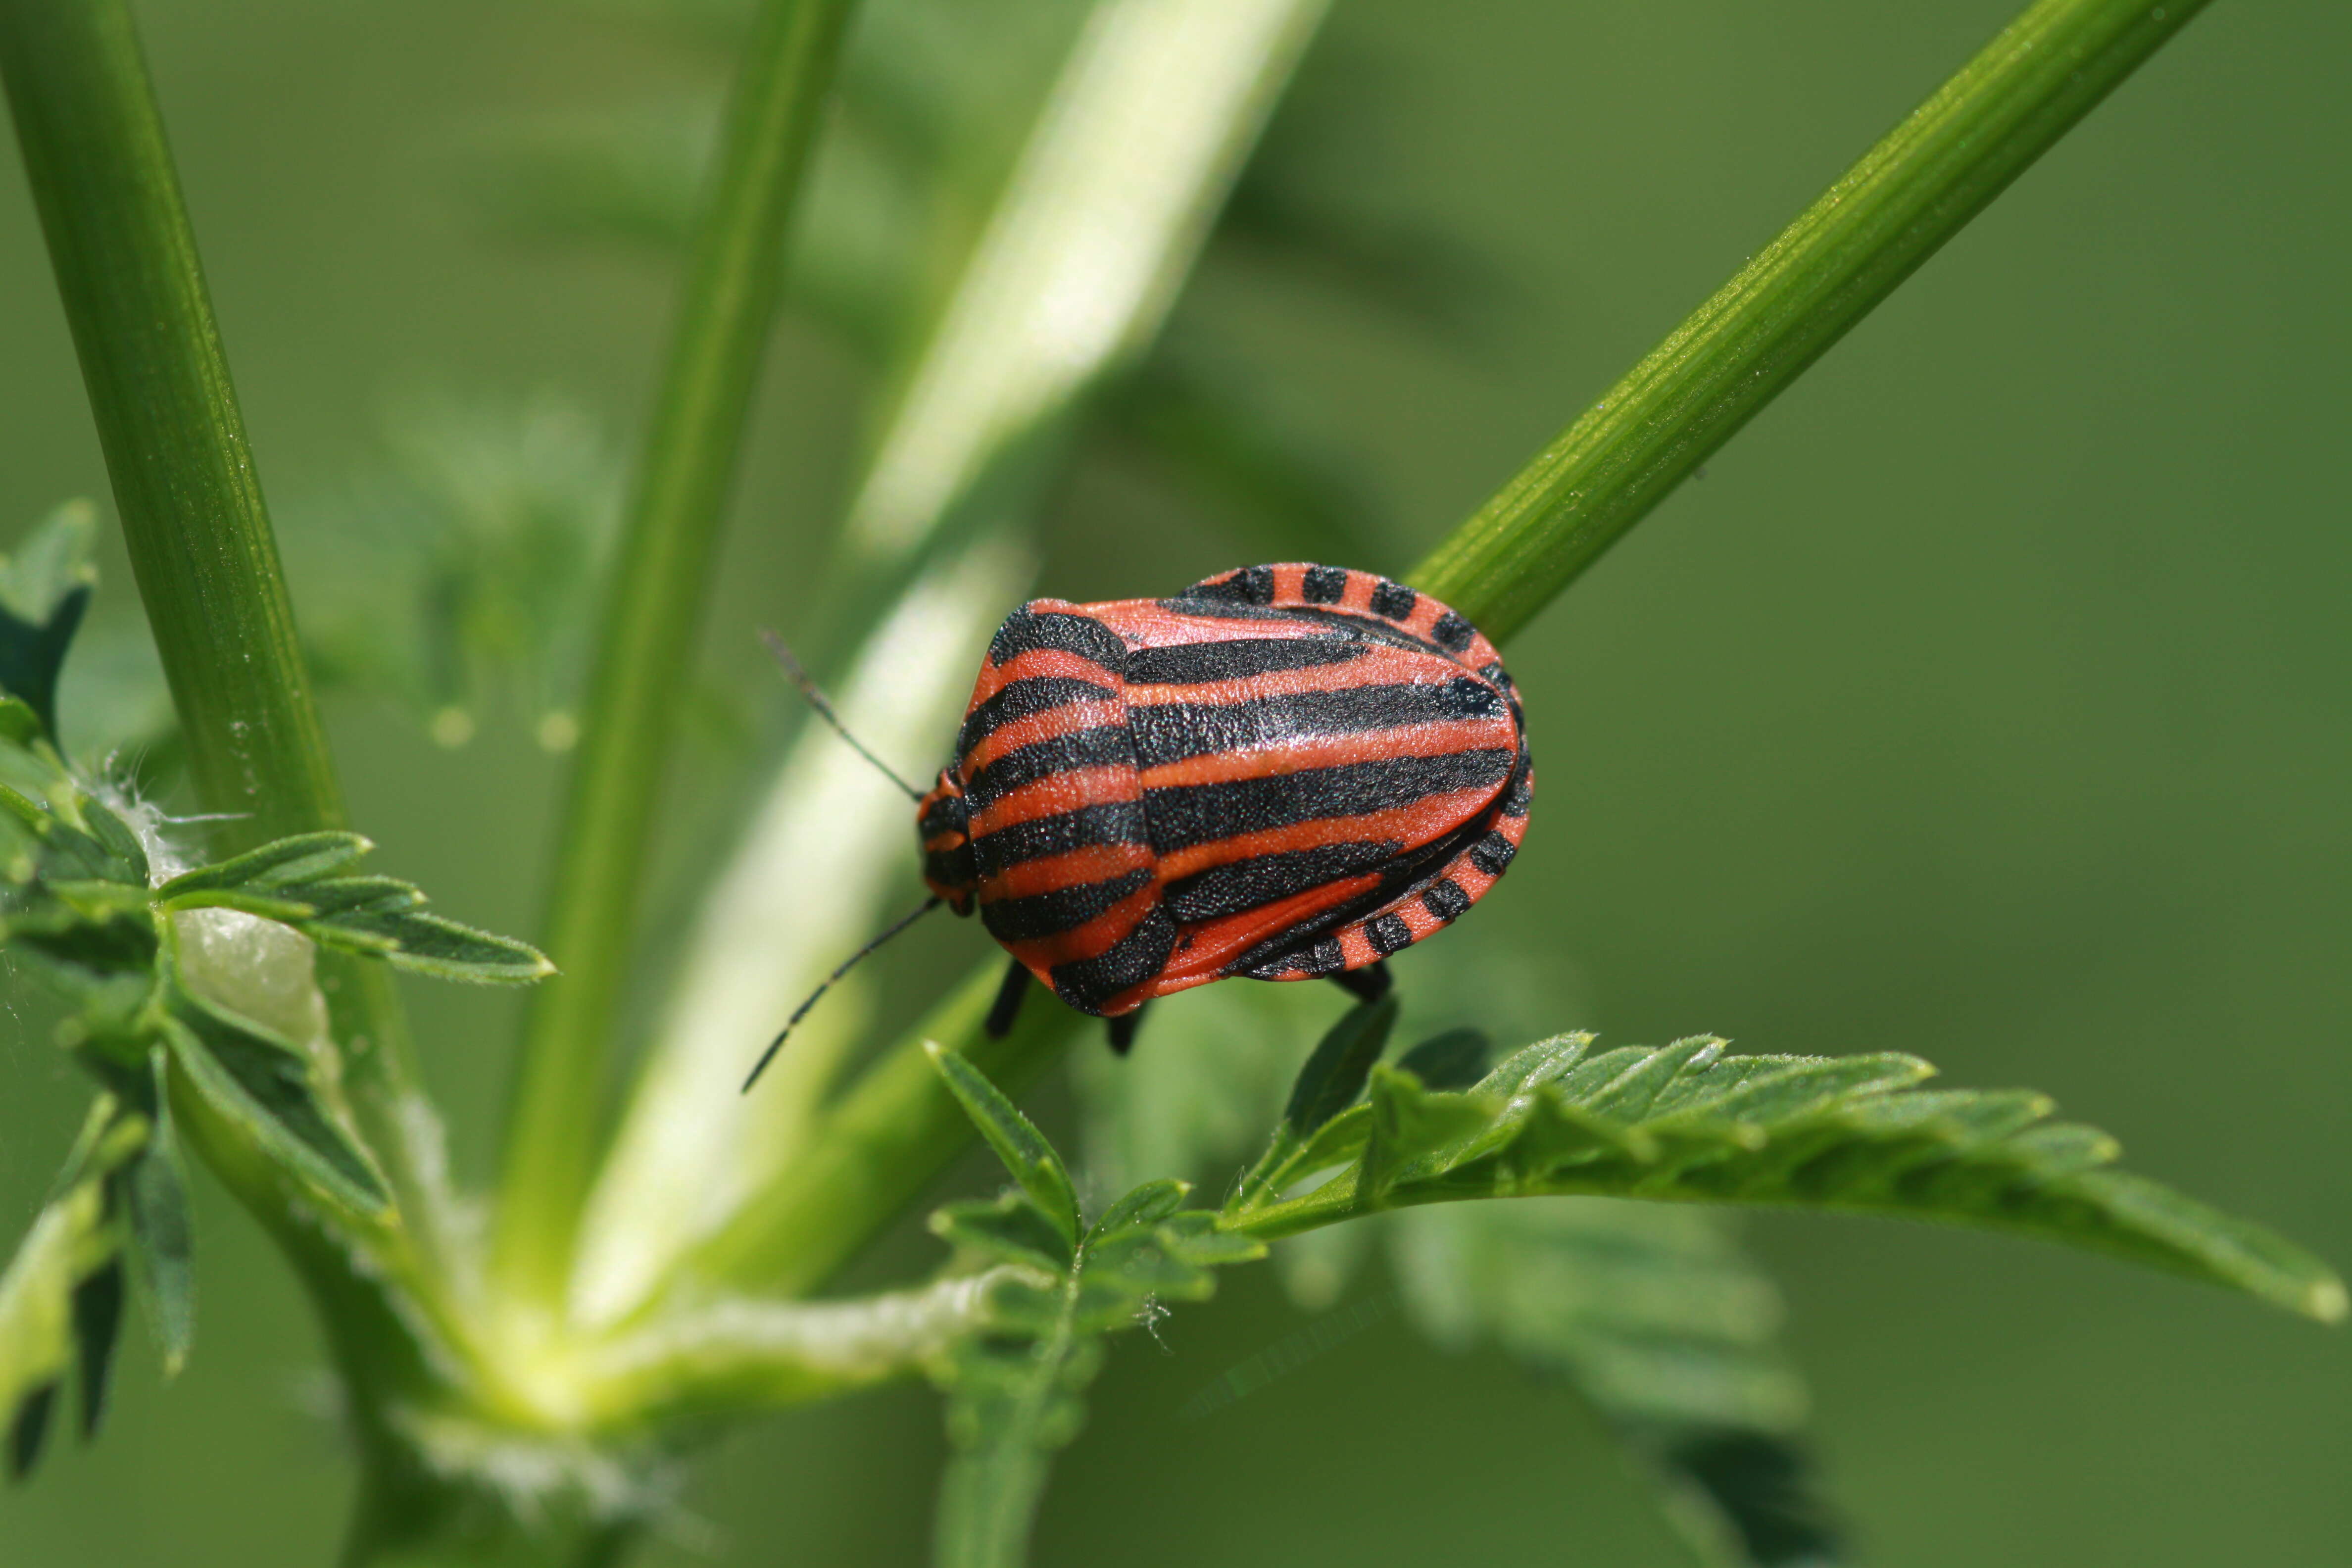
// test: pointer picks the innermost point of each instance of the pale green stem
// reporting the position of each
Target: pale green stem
(1827, 270)
(880, 1145)
(644, 651)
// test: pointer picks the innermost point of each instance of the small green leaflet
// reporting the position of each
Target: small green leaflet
(1016, 1391)
(262, 1084)
(1685, 1121)
(1332, 1080)
(61, 1296)
(289, 881)
(1017, 1142)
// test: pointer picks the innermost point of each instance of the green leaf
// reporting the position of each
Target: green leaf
(19, 725)
(162, 1230)
(374, 917)
(1335, 1074)
(97, 1330)
(1150, 1203)
(61, 1297)
(263, 1084)
(1030, 1159)
(1851, 1134)
(303, 857)
(1455, 1059)
(1410, 1130)
(1655, 1316)
(1332, 1080)
(45, 586)
(1008, 1228)
(416, 940)
(114, 836)
(1015, 1390)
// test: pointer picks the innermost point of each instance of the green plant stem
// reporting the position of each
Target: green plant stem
(879, 1146)
(1841, 257)
(645, 652)
(1825, 271)
(183, 472)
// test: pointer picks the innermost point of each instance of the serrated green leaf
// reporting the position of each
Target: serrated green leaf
(1147, 1203)
(162, 1228)
(1009, 1228)
(1026, 1155)
(263, 1084)
(1413, 1128)
(1532, 1066)
(420, 941)
(304, 858)
(1853, 1134)
(338, 897)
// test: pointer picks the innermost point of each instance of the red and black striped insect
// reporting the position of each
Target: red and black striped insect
(1283, 773)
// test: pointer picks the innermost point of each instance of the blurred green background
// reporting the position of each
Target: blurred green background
(1986, 700)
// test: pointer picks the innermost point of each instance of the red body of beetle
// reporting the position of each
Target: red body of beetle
(1285, 771)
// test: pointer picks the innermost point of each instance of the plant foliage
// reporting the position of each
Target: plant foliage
(90, 899)
(1688, 1122)
(1015, 1390)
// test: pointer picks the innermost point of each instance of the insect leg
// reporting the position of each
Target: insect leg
(1369, 983)
(1122, 1030)
(1007, 1005)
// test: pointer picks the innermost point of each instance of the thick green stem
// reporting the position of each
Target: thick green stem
(650, 622)
(1844, 254)
(183, 472)
(167, 417)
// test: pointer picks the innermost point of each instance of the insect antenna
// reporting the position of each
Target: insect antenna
(847, 964)
(817, 700)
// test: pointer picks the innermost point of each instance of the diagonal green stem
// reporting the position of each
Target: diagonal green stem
(1844, 253)
(192, 515)
(1741, 349)
(644, 655)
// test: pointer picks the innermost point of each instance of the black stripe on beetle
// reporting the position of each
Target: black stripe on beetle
(1181, 816)
(1242, 885)
(1090, 984)
(1104, 745)
(1029, 631)
(1088, 827)
(1036, 916)
(1203, 664)
(1172, 731)
(1025, 700)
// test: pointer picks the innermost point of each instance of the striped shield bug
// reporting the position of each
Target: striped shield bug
(1283, 773)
